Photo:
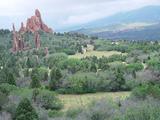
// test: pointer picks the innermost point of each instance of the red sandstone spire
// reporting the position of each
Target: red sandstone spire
(14, 43)
(22, 29)
(35, 23)
(37, 40)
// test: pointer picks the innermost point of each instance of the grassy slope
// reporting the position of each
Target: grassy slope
(95, 53)
(73, 101)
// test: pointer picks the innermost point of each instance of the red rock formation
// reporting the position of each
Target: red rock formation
(37, 40)
(18, 43)
(15, 43)
(35, 23)
(22, 29)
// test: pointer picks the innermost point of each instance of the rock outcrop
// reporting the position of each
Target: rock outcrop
(35, 23)
(18, 41)
(37, 40)
(22, 29)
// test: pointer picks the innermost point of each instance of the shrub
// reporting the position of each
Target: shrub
(3, 100)
(25, 111)
(80, 83)
(43, 73)
(72, 113)
(101, 110)
(48, 100)
(55, 113)
(7, 88)
(35, 83)
(146, 90)
(56, 75)
(148, 109)
(54, 59)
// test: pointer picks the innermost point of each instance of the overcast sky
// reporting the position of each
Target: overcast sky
(65, 13)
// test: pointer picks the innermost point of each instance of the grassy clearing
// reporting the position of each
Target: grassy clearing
(99, 54)
(73, 101)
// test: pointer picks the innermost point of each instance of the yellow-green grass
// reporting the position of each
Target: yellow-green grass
(99, 54)
(74, 101)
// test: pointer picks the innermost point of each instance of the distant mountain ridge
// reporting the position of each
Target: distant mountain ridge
(133, 25)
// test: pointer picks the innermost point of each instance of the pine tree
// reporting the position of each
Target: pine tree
(25, 111)
(28, 63)
(56, 75)
(93, 67)
(35, 83)
(11, 79)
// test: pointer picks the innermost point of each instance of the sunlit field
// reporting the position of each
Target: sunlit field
(98, 54)
(73, 101)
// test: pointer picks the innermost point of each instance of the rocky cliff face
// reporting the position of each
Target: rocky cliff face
(35, 23)
(18, 41)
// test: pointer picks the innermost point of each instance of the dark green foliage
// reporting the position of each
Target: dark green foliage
(134, 67)
(80, 83)
(25, 111)
(118, 82)
(53, 60)
(7, 76)
(42, 73)
(28, 63)
(154, 64)
(56, 75)
(145, 90)
(47, 100)
(35, 93)
(7, 88)
(11, 79)
(35, 83)
(72, 65)
(93, 67)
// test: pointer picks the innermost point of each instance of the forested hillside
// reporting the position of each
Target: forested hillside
(32, 80)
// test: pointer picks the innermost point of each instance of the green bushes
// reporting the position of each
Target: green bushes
(148, 109)
(25, 111)
(80, 83)
(55, 59)
(134, 67)
(3, 100)
(47, 100)
(145, 90)
(43, 73)
(90, 82)
(56, 75)
(35, 83)
(7, 88)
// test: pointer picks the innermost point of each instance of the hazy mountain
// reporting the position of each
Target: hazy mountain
(142, 24)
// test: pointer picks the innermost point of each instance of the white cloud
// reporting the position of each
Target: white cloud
(62, 13)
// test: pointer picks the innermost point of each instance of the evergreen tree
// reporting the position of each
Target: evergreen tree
(11, 79)
(28, 63)
(56, 75)
(25, 111)
(93, 67)
(119, 78)
(35, 83)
